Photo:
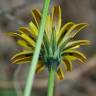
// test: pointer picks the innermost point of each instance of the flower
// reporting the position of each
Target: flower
(58, 44)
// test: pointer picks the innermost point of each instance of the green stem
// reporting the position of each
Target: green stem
(51, 82)
(29, 82)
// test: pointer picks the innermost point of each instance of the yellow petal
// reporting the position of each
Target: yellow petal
(78, 28)
(48, 27)
(75, 47)
(67, 64)
(70, 58)
(60, 73)
(73, 44)
(45, 43)
(25, 37)
(40, 66)
(33, 28)
(75, 29)
(22, 43)
(72, 32)
(22, 60)
(80, 56)
(56, 18)
(37, 16)
(64, 30)
(28, 31)
(24, 56)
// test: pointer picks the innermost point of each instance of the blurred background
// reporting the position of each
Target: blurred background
(80, 82)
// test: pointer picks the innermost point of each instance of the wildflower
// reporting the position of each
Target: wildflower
(58, 44)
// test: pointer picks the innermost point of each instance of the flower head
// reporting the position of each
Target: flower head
(58, 44)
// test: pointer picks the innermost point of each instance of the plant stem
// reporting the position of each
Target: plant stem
(51, 82)
(29, 82)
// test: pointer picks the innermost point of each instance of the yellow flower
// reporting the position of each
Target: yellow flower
(58, 45)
